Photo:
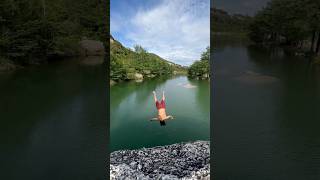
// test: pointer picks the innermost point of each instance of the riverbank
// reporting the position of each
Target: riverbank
(182, 160)
(7, 65)
(282, 89)
(127, 64)
(82, 49)
(303, 50)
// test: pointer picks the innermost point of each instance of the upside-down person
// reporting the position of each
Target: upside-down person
(161, 106)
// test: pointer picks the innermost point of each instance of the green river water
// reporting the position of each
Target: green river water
(132, 105)
(266, 113)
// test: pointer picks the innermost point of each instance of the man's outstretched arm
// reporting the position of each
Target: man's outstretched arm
(154, 119)
(169, 117)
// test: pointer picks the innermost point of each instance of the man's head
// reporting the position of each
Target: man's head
(162, 123)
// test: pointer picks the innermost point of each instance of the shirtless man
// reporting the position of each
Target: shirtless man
(161, 106)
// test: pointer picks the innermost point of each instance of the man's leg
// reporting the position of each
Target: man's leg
(163, 97)
(155, 97)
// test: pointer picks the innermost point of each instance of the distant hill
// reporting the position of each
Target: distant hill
(127, 64)
(222, 21)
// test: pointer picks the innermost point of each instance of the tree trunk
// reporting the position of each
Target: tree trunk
(318, 44)
(312, 42)
(44, 8)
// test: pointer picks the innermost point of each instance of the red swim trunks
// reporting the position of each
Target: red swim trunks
(160, 104)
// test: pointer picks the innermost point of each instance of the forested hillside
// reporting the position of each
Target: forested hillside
(33, 31)
(294, 23)
(223, 22)
(127, 64)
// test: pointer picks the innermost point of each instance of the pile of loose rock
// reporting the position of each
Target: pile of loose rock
(177, 161)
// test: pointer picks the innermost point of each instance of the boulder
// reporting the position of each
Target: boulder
(151, 75)
(7, 66)
(130, 76)
(146, 71)
(205, 75)
(92, 48)
(112, 82)
(138, 76)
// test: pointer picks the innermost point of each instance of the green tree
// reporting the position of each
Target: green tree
(34, 30)
(125, 63)
(290, 22)
(201, 69)
(139, 49)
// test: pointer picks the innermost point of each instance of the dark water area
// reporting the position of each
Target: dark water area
(53, 121)
(265, 114)
(132, 106)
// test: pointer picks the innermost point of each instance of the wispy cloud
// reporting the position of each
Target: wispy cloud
(177, 30)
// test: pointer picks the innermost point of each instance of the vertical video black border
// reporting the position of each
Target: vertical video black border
(107, 66)
(211, 94)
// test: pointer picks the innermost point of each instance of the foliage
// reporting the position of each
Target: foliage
(125, 63)
(39, 28)
(139, 49)
(289, 22)
(201, 68)
(221, 21)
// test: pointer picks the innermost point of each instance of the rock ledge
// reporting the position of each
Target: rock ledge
(177, 161)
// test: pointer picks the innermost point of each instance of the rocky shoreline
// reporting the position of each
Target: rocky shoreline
(189, 160)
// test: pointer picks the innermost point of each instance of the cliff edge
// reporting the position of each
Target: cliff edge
(189, 160)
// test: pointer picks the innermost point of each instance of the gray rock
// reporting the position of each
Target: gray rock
(112, 82)
(176, 161)
(151, 75)
(138, 76)
(8, 66)
(146, 71)
(92, 48)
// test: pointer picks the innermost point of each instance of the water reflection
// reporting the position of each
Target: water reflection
(53, 120)
(266, 129)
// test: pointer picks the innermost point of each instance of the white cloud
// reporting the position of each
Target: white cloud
(177, 30)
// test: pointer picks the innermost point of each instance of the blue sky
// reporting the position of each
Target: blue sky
(177, 30)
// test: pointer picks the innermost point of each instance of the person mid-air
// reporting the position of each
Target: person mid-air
(161, 106)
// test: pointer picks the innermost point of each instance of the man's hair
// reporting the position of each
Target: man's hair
(162, 123)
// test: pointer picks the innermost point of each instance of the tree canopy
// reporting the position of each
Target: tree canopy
(221, 21)
(125, 63)
(201, 69)
(290, 22)
(37, 29)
